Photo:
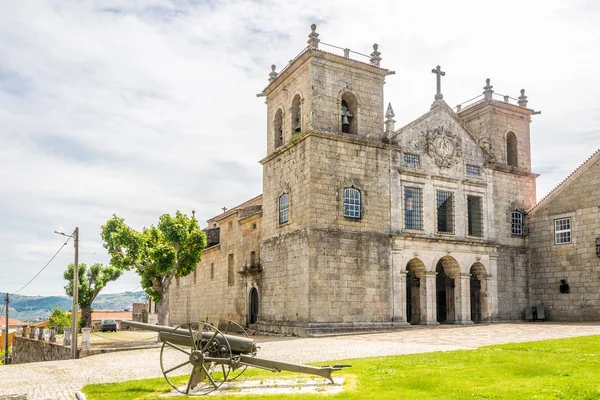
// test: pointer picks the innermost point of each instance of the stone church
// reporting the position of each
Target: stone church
(365, 226)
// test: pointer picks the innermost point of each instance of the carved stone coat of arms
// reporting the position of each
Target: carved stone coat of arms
(443, 146)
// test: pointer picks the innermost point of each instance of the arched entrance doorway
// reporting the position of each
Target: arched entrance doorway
(415, 289)
(478, 293)
(253, 305)
(446, 270)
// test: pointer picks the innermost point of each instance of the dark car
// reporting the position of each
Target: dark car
(108, 325)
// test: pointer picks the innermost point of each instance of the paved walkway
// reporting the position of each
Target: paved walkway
(61, 379)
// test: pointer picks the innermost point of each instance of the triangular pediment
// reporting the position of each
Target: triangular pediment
(441, 135)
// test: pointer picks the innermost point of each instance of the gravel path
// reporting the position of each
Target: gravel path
(61, 379)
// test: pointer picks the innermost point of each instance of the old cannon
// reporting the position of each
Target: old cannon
(196, 358)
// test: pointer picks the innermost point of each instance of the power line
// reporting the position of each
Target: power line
(48, 263)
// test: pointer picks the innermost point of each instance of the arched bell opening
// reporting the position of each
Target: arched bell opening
(512, 149)
(348, 109)
(415, 290)
(278, 128)
(478, 293)
(296, 115)
(447, 270)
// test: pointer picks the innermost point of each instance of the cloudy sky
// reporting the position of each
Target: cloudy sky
(145, 107)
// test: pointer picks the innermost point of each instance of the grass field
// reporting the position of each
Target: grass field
(553, 369)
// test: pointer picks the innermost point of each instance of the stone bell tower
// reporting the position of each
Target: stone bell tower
(325, 194)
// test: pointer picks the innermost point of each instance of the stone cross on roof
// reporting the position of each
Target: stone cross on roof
(439, 97)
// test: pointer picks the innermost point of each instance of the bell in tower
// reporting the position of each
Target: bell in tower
(346, 116)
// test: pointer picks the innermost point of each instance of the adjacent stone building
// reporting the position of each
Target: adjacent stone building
(362, 226)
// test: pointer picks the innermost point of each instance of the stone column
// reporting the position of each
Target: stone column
(492, 289)
(41, 333)
(398, 290)
(52, 338)
(462, 303)
(85, 339)
(32, 332)
(67, 336)
(24, 333)
(428, 299)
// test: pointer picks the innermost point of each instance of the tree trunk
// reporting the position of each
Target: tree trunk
(86, 316)
(162, 308)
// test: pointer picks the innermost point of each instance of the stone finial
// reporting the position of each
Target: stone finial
(67, 337)
(523, 99)
(439, 97)
(487, 90)
(313, 37)
(272, 74)
(389, 119)
(375, 59)
(506, 99)
(346, 53)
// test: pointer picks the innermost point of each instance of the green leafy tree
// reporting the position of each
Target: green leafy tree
(158, 254)
(58, 316)
(91, 281)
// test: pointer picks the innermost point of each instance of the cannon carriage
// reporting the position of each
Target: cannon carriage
(206, 357)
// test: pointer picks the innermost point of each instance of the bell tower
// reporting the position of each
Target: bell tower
(325, 190)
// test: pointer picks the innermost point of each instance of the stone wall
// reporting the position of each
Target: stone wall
(577, 261)
(28, 350)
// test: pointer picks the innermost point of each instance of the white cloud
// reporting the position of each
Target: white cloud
(145, 107)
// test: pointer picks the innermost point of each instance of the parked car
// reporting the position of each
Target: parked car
(108, 325)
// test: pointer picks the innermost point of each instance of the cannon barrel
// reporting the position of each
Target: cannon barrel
(181, 336)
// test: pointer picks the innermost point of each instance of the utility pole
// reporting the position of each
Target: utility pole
(6, 331)
(74, 311)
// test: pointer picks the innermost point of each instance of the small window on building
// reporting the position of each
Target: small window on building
(516, 223)
(412, 208)
(562, 231)
(445, 212)
(473, 170)
(177, 280)
(475, 216)
(252, 258)
(212, 271)
(412, 159)
(283, 208)
(296, 114)
(351, 203)
(230, 270)
(512, 155)
(195, 274)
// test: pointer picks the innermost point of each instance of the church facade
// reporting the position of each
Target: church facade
(362, 226)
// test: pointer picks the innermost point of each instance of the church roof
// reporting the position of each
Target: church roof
(253, 201)
(565, 182)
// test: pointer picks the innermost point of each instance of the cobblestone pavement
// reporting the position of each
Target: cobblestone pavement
(61, 379)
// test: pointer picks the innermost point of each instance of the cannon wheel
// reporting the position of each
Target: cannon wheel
(206, 362)
(234, 327)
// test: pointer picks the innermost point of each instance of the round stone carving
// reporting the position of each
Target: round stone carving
(443, 146)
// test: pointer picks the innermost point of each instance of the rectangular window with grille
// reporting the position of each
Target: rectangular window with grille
(412, 159)
(473, 170)
(284, 208)
(516, 223)
(475, 216)
(562, 230)
(351, 203)
(445, 212)
(412, 208)
(230, 270)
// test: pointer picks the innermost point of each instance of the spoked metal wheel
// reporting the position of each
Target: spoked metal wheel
(233, 328)
(195, 358)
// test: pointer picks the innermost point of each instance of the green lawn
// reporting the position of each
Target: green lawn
(553, 369)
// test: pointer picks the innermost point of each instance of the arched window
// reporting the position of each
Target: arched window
(296, 122)
(278, 128)
(348, 113)
(284, 208)
(512, 156)
(516, 223)
(351, 203)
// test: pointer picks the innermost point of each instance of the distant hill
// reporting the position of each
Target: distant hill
(32, 308)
